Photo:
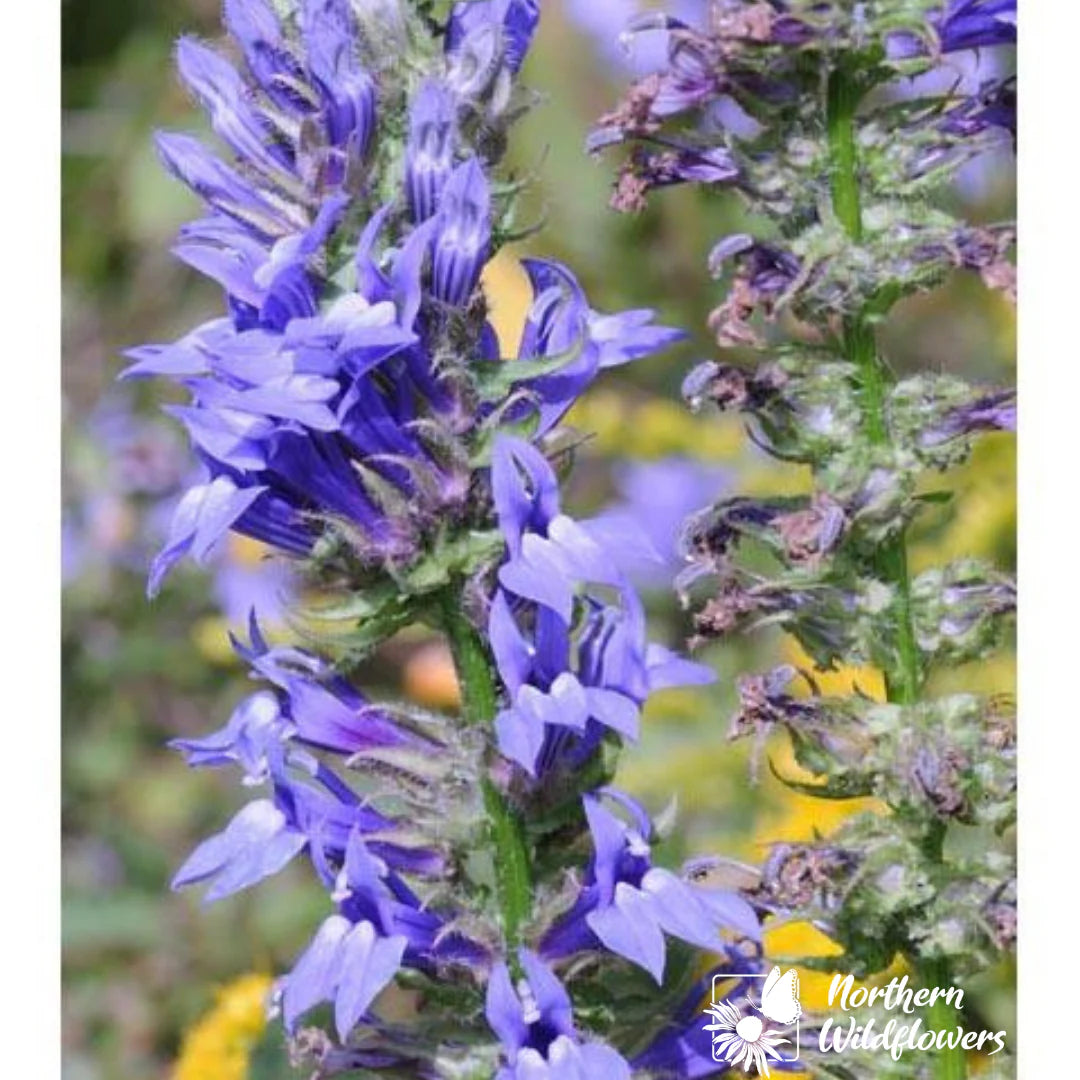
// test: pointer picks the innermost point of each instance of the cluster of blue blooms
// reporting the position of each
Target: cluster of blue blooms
(352, 410)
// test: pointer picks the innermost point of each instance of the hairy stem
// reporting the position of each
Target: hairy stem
(903, 679)
(478, 707)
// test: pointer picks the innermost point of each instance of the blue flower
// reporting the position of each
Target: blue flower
(202, 518)
(513, 23)
(975, 24)
(535, 1025)
(560, 322)
(429, 153)
(567, 679)
(311, 706)
(267, 834)
(346, 963)
(963, 24)
(259, 841)
(627, 904)
(380, 926)
(340, 393)
(462, 236)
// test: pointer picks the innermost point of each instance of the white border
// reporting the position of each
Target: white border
(1049, 526)
(1049, 378)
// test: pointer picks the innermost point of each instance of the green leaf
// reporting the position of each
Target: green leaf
(495, 380)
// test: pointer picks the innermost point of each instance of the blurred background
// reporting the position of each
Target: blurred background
(155, 985)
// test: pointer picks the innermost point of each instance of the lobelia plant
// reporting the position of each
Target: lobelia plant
(353, 412)
(805, 110)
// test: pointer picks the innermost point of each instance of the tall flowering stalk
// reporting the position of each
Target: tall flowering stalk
(352, 411)
(804, 108)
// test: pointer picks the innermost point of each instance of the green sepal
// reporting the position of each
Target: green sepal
(400, 597)
(833, 789)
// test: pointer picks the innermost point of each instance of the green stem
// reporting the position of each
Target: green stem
(843, 95)
(949, 1064)
(479, 703)
(903, 680)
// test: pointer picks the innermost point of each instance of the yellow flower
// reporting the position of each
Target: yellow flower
(219, 1045)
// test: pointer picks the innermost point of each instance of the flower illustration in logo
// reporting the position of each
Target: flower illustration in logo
(744, 1039)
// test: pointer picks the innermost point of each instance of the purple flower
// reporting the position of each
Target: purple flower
(550, 554)
(347, 91)
(627, 904)
(566, 678)
(279, 736)
(220, 90)
(347, 963)
(463, 234)
(357, 952)
(995, 411)
(268, 833)
(560, 322)
(513, 21)
(331, 398)
(535, 1025)
(975, 24)
(429, 155)
(310, 706)
(221, 186)
(963, 24)
(202, 518)
(259, 841)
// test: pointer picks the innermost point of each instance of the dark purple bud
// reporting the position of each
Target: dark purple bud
(463, 236)
(728, 248)
(515, 21)
(429, 157)
(346, 90)
(349, 113)
(219, 185)
(995, 411)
